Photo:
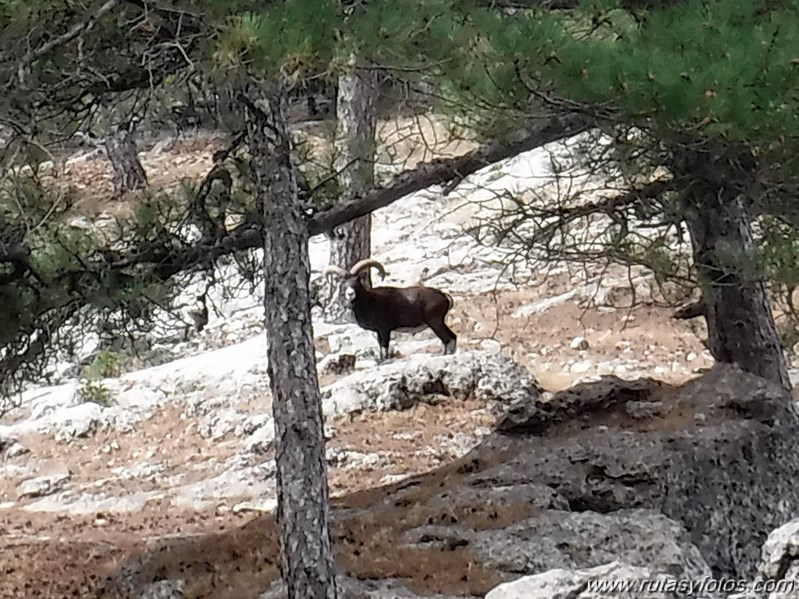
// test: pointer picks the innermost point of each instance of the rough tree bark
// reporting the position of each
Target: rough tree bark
(129, 174)
(303, 511)
(736, 307)
(356, 122)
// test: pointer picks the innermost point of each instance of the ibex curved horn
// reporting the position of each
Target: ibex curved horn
(334, 270)
(359, 267)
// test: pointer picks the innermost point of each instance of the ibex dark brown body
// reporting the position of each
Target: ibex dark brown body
(403, 309)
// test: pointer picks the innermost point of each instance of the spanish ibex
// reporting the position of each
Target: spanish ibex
(403, 309)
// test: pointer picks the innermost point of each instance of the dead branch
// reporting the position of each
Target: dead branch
(70, 35)
(168, 260)
(688, 311)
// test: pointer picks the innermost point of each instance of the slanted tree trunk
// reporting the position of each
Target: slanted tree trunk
(303, 511)
(129, 174)
(356, 120)
(740, 323)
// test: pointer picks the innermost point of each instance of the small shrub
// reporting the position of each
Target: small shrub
(95, 392)
(104, 365)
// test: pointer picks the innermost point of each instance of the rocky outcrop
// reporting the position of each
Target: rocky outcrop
(555, 538)
(716, 454)
(352, 588)
(43, 485)
(485, 375)
(611, 480)
(11, 448)
(778, 571)
(780, 555)
(607, 581)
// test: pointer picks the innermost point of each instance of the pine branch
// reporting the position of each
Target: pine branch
(444, 171)
(692, 310)
(170, 261)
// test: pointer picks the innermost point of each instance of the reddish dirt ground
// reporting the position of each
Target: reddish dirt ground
(58, 555)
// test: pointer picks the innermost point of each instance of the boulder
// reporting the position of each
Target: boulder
(601, 582)
(14, 450)
(778, 571)
(78, 421)
(41, 486)
(261, 440)
(337, 364)
(163, 589)
(399, 384)
(555, 538)
(352, 588)
(780, 554)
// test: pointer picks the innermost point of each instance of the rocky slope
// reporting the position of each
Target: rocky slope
(592, 483)
(611, 479)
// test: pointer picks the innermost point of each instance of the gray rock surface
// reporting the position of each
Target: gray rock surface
(607, 479)
(485, 375)
(42, 485)
(728, 477)
(163, 589)
(81, 421)
(260, 440)
(573, 540)
(220, 422)
(780, 555)
(778, 571)
(351, 588)
(337, 364)
(15, 449)
(591, 583)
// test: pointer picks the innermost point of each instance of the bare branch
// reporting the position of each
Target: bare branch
(70, 35)
(442, 171)
(170, 260)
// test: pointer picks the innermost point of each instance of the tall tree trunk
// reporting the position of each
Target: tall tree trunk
(303, 510)
(739, 319)
(129, 174)
(356, 121)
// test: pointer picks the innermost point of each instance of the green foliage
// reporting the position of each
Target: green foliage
(789, 336)
(722, 67)
(296, 38)
(311, 38)
(105, 364)
(779, 252)
(95, 392)
(692, 69)
(717, 68)
(59, 247)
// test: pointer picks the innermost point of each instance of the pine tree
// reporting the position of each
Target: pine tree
(303, 512)
(708, 88)
(708, 91)
(129, 173)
